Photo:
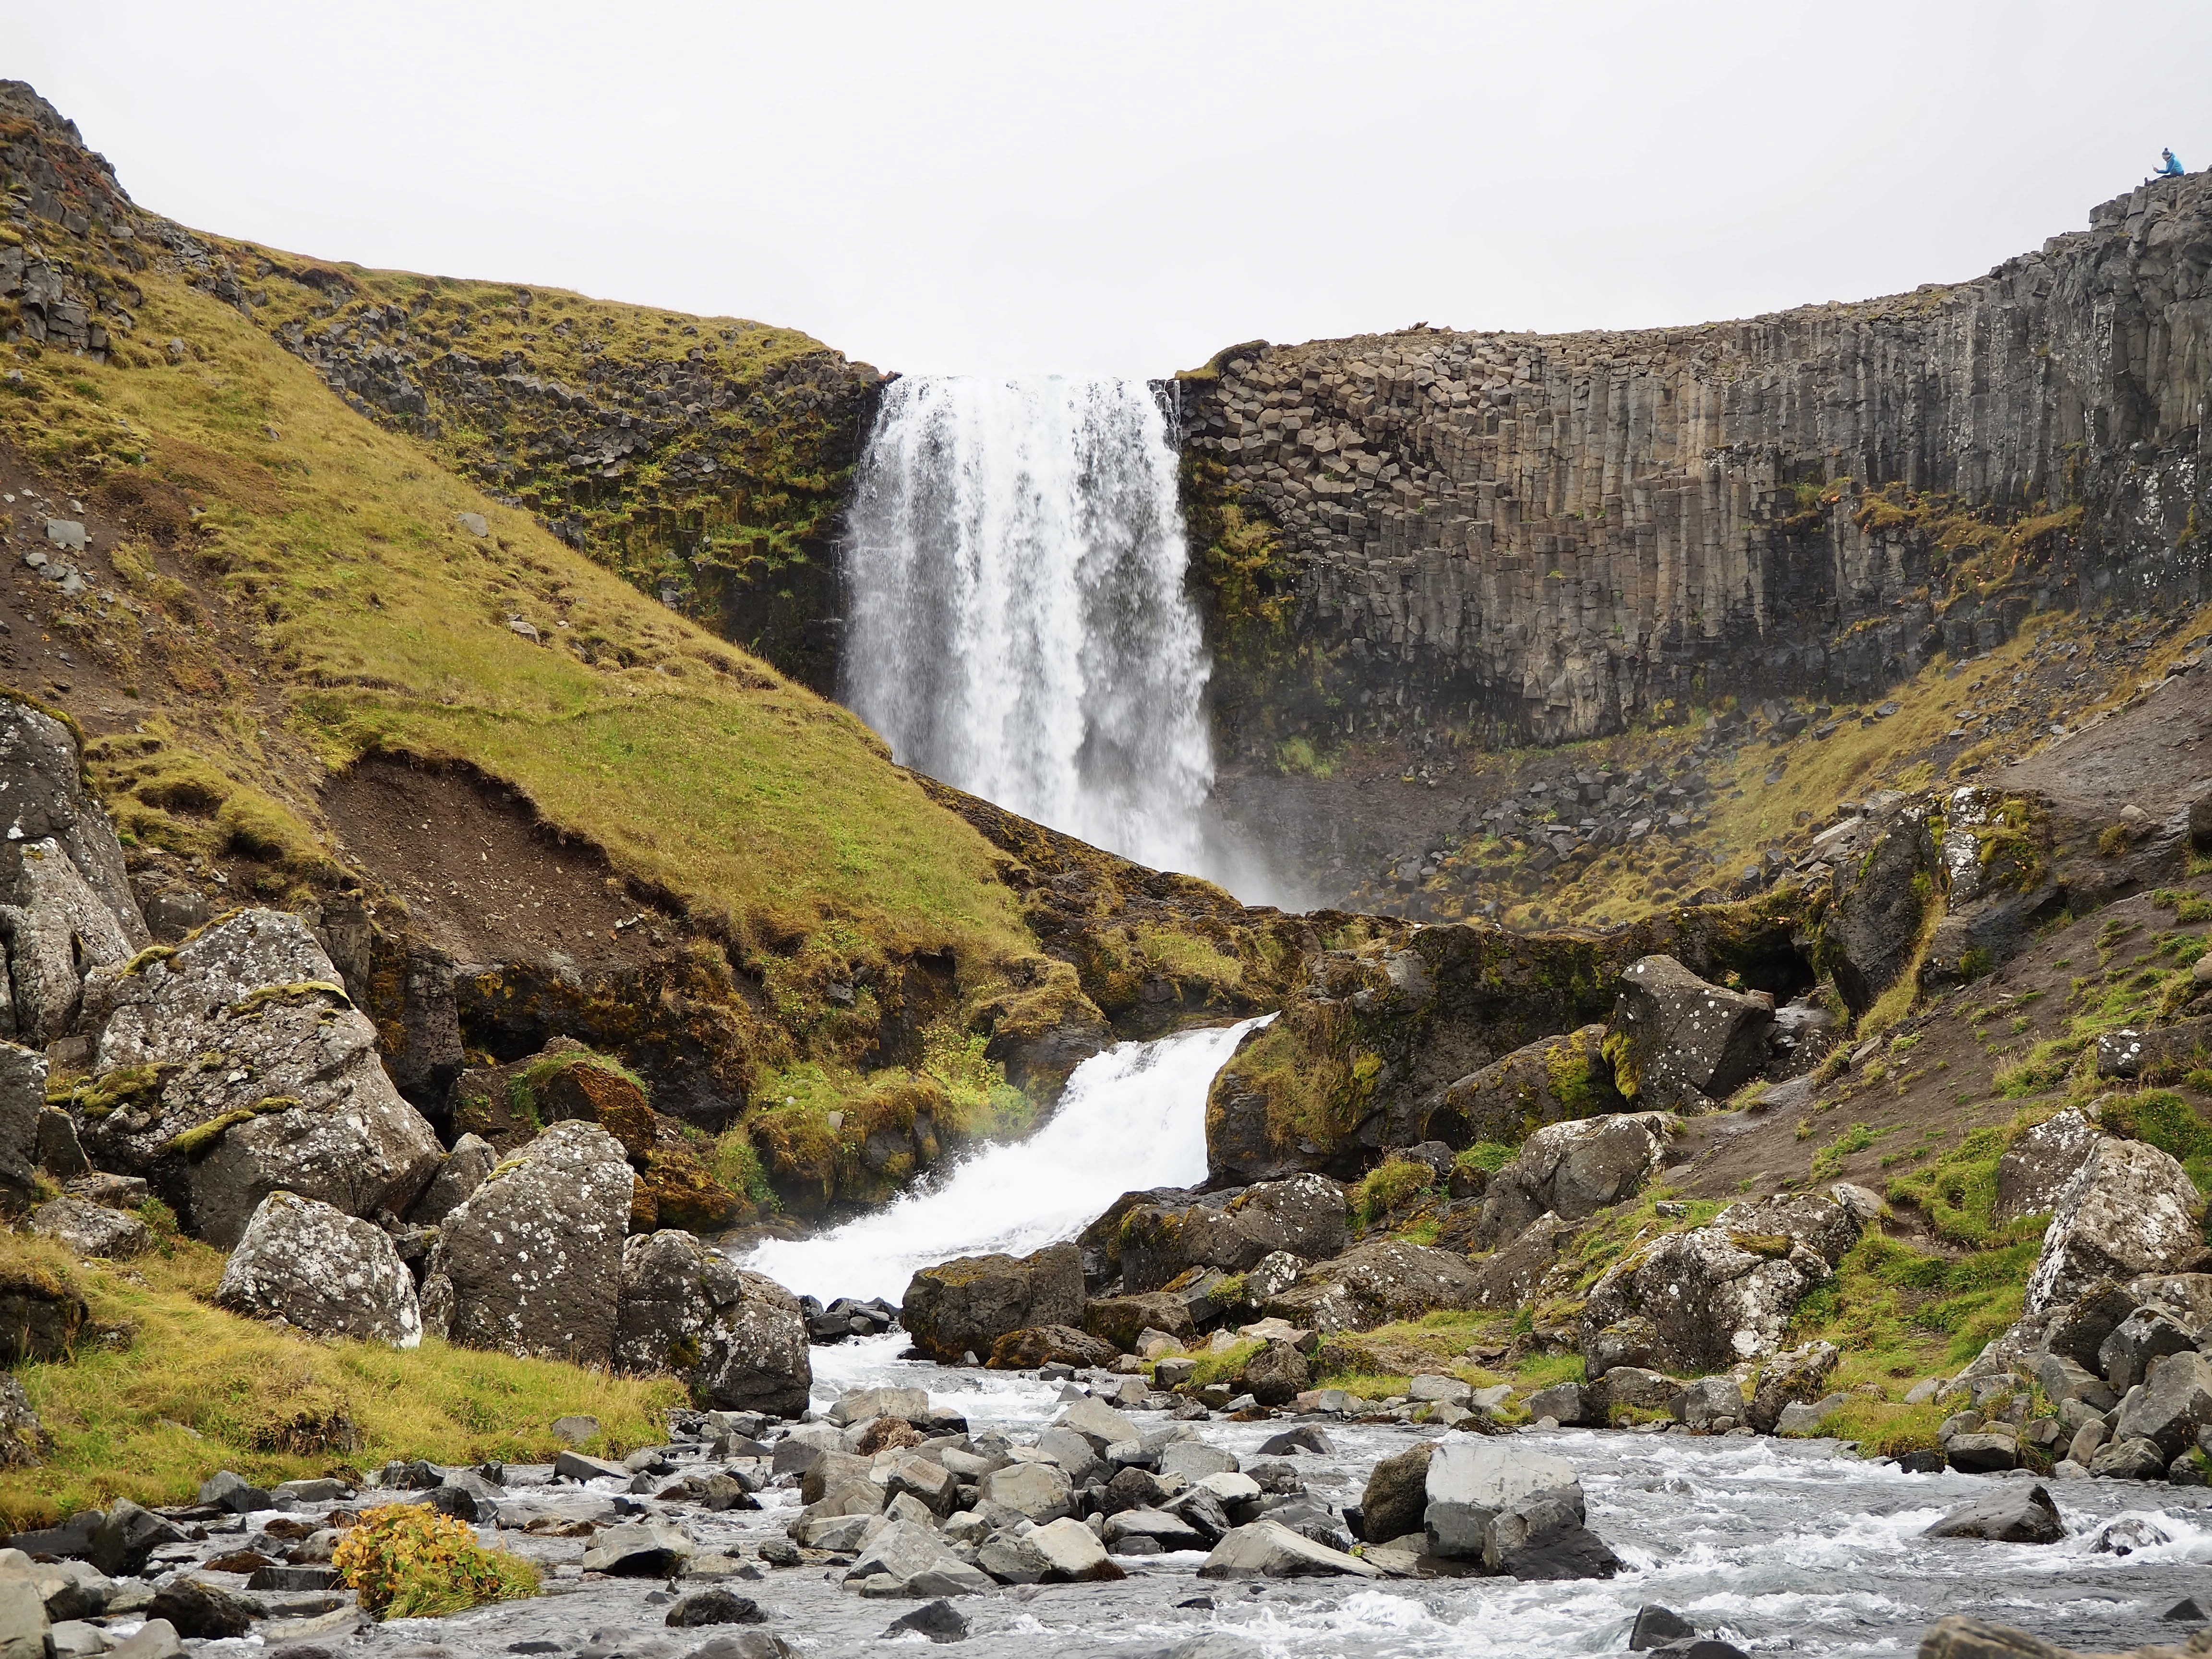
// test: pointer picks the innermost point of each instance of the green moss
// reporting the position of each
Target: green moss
(2166, 1120)
(198, 1141)
(1489, 1155)
(93, 1098)
(1389, 1185)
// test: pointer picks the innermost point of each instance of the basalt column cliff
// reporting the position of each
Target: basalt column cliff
(1555, 535)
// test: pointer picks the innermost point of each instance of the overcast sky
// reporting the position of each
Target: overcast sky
(1128, 187)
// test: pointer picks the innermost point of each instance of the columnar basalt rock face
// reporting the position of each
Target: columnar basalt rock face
(1566, 532)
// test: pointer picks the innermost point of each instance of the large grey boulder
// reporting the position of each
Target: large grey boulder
(738, 1338)
(22, 1105)
(1543, 1536)
(1306, 1215)
(57, 930)
(1042, 1492)
(1471, 1481)
(322, 1271)
(1573, 1170)
(1549, 1081)
(25, 1631)
(2148, 1333)
(1881, 898)
(1705, 1298)
(1509, 1276)
(532, 1262)
(1376, 1283)
(2040, 1161)
(1396, 1498)
(1071, 1551)
(2129, 1209)
(238, 1067)
(1268, 1549)
(1677, 1043)
(2173, 1402)
(966, 1304)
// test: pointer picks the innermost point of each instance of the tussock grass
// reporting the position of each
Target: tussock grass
(178, 1389)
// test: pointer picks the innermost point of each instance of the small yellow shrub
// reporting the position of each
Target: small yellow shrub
(409, 1562)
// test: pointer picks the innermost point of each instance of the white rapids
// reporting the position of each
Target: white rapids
(1131, 1118)
(1016, 622)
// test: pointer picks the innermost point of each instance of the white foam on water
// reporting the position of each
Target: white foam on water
(1131, 1118)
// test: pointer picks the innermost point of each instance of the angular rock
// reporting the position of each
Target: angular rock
(1565, 1403)
(1573, 1170)
(2129, 1209)
(22, 1114)
(1149, 1531)
(1551, 1080)
(1049, 1345)
(323, 1271)
(1469, 1482)
(1982, 1454)
(965, 1305)
(2146, 1334)
(2017, 1512)
(24, 1441)
(125, 1537)
(1508, 1276)
(641, 1549)
(712, 1607)
(1042, 1492)
(2130, 1459)
(201, 1612)
(737, 1337)
(1542, 1537)
(1797, 1377)
(1073, 1553)
(2040, 1161)
(906, 1559)
(1376, 1283)
(1306, 1215)
(1677, 1042)
(1267, 1549)
(1120, 1319)
(25, 1631)
(1097, 1422)
(1874, 927)
(92, 1230)
(464, 1170)
(940, 1621)
(531, 1263)
(2174, 1401)
(1276, 1374)
(238, 1067)
(55, 929)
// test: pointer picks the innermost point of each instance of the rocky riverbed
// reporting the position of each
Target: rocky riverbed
(1772, 1545)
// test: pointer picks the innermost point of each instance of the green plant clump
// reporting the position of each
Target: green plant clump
(408, 1562)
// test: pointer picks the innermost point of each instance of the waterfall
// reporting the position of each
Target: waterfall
(1016, 619)
(1133, 1117)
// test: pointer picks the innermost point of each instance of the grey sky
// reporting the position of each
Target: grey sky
(1128, 187)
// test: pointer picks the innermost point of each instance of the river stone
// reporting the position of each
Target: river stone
(464, 1168)
(965, 1305)
(2130, 1459)
(323, 1271)
(1195, 1460)
(1267, 1549)
(1982, 1454)
(1677, 1042)
(1073, 1553)
(1042, 1492)
(940, 1621)
(1097, 1422)
(1377, 1284)
(1469, 1481)
(25, 1632)
(1955, 1635)
(1306, 1215)
(1573, 1170)
(712, 1607)
(1541, 1536)
(905, 1558)
(641, 1549)
(1276, 1374)
(531, 1262)
(1154, 1530)
(1566, 1404)
(2017, 1512)
(154, 1639)
(2129, 1209)
(295, 1097)
(736, 1338)
(1710, 1398)
(92, 1230)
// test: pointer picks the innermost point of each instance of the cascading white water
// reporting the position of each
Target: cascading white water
(1017, 623)
(1131, 1118)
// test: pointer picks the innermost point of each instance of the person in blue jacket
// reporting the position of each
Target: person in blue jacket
(2170, 169)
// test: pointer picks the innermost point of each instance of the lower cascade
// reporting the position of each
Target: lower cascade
(1133, 1117)
(1017, 621)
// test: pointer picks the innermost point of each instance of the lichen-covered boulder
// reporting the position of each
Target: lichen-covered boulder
(92, 1230)
(1551, 1080)
(1047, 1345)
(738, 1339)
(2040, 1161)
(2128, 1209)
(1677, 1043)
(23, 1100)
(531, 1262)
(1881, 897)
(1308, 1216)
(323, 1271)
(65, 902)
(24, 1442)
(965, 1305)
(1573, 1170)
(462, 1171)
(1120, 1320)
(1376, 1283)
(237, 1066)
(1705, 1298)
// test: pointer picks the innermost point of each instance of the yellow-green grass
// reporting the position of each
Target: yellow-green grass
(166, 1389)
(385, 625)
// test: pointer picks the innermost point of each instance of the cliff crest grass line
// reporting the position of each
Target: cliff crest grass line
(383, 624)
